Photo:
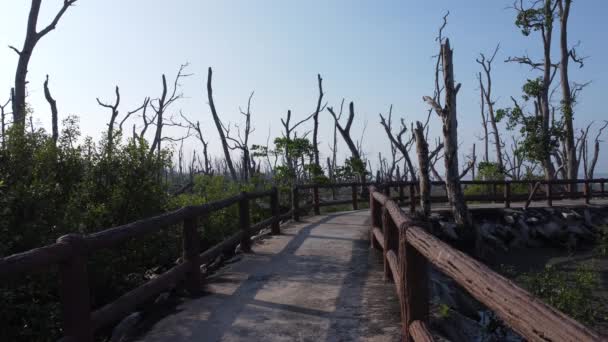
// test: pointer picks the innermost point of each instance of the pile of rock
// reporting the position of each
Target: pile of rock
(569, 228)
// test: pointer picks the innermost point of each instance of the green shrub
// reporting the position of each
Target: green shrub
(571, 293)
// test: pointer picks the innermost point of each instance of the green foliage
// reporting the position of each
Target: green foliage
(601, 249)
(50, 190)
(490, 171)
(538, 141)
(535, 18)
(352, 170)
(443, 310)
(571, 293)
(533, 88)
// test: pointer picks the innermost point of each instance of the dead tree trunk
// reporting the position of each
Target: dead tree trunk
(486, 91)
(113, 115)
(448, 115)
(53, 105)
(32, 37)
(345, 132)
(315, 117)
(484, 122)
(422, 150)
(397, 140)
(3, 114)
(567, 98)
(220, 128)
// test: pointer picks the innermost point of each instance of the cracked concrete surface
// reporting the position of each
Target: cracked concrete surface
(318, 281)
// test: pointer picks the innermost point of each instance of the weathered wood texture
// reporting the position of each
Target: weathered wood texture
(527, 315)
(71, 252)
(420, 333)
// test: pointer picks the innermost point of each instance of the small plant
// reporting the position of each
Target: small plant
(444, 310)
(571, 293)
(601, 249)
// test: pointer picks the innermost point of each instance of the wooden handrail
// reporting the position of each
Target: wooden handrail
(520, 310)
(71, 253)
(507, 196)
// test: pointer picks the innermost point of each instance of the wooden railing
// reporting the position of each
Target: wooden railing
(391, 231)
(408, 249)
(71, 252)
(407, 194)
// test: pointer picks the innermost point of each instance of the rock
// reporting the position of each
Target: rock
(570, 215)
(449, 229)
(457, 327)
(588, 218)
(581, 232)
(125, 328)
(162, 298)
(509, 219)
(493, 329)
(532, 220)
(435, 217)
(571, 242)
(551, 231)
(445, 291)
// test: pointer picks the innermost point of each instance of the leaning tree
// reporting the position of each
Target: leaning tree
(32, 37)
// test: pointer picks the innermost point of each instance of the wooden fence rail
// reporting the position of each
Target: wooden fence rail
(553, 190)
(392, 231)
(71, 252)
(407, 249)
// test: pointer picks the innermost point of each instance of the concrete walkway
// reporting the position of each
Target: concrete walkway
(319, 281)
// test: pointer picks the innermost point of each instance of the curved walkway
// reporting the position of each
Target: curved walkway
(318, 281)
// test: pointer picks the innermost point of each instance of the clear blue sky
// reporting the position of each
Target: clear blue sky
(375, 53)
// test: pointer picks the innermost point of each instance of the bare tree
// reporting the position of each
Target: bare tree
(448, 115)
(315, 118)
(484, 121)
(486, 90)
(220, 127)
(241, 142)
(422, 150)
(3, 115)
(397, 140)
(334, 147)
(291, 134)
(589, 163)
(206, 167)
(113, 115)
(568, 95)
(514, 161)
(160, 106)
(345, 131)
(53, 105)
(32, 37)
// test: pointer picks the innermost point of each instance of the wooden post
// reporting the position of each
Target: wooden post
(353, 189)
(190, 254)
(295, 203)
(375, 210)
(386, 190)
(507, 194)
(415, 296)
(401, 194)
(245, 222)
(412, 198)
(587, 190)
(315, 199)
(494, 192)
(549, 191)
(386, 224)
(274, 208)
(74, 291)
